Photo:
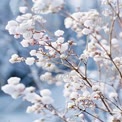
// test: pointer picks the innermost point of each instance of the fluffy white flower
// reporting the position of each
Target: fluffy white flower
(59, 33)
(24, 43)
(81, 116)
(113, 95)
(70, 105)
(96, 87)
(25, 28)
(33, 52)
(47, 100)
(32, 97)
(86, 94)
(30, 109)
(63, 56)
(35, 108)
(64, 47)
(88, 23)
(106, 29)
(86, 31)
(83, 57)
(76, 85)
(8, 88)
(15, 90)
(66, 93)
(39, 19)
(29, 90)
(45, 92)
(46, 76)
(73, 95)
(13, 80)
(38, 35)
(20, 87)
(14, 58)
(68, 22)
(27, 34)
(117, 60)
(47, 6)
(78, 20)
(30, 61)
(60, 40)
(114, 42)
(24, 18)
(23, 9)
(39, 56)
(11, 24)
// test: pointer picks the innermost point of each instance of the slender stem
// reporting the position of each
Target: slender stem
(72, 67)
(56, 113)
(116, 66)
(90, 114)
(114, 104)
(110, 35)
(109, 55)
(105, 103)
(117, 13)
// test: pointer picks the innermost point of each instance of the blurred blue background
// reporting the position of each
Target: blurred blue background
(14, 110)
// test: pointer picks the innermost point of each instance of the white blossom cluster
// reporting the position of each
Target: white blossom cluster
(89, 94)
(76, 91)
(15, 58)
(14, 87)
(83, 23)
(17, 89)
(47, 6)
(25, 25)
(112, 4)
(23, 9)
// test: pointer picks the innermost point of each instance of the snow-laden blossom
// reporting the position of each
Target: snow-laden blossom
(48, 6)
(81, 116)
(63, 56)
(32, 97)
(70, 105)
(117, 115)
(25, 26)
(30, 60)
(86, 31)
(30, 89)
(96, 87)
(118, 61)
(87, 92)
(68, 22)
(14, 88)
(11, 26)
(45, 92)
(26, 42)
(38, 35)
(60, 40)
(47, 100)
(59, 33)
(15, 58)
(46, 76)
(36, 108)
(13, 80)
(74, 95)
(23, 9)
(113, 95)
(83, 22)
(33, 52)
